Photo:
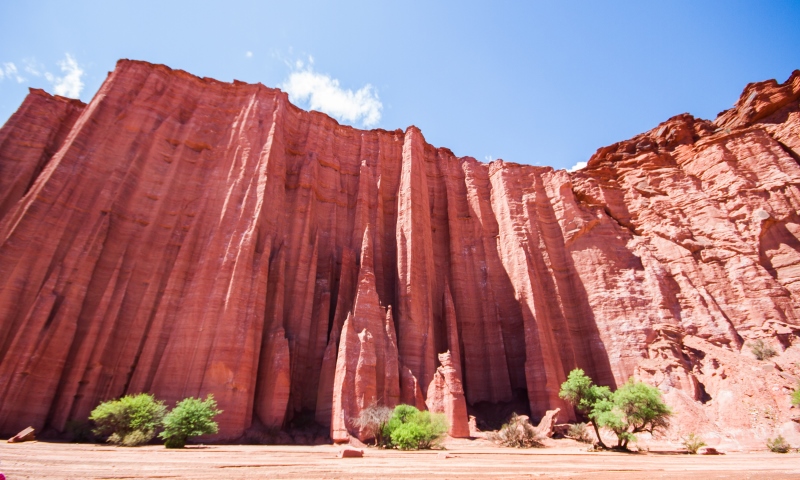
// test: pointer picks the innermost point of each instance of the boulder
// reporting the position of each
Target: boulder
(547, 425)
(709, 451)
(25, 435)
(350, 453)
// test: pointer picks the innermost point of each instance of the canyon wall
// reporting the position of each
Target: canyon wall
(184, 236)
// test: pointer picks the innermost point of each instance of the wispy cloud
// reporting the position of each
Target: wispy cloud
(248, 54)
(319, 91)
(69, 84)
(577, 167)
(10, 71)
(33, 67)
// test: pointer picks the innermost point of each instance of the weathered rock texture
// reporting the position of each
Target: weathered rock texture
(446, 395)
(184, 236)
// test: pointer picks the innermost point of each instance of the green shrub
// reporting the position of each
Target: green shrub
(174, 442)
(796, 396)
(579, 432)
(635, 407)
(762, 350)
(517, 433)
(582, 394)
(136, 438)
(693, 442)
(191, 417)
(778, 445)
(410, 429)
(132, 420)
(373, 420)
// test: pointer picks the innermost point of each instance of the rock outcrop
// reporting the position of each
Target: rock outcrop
(547, 424)
(446, 395)
(27, 435)
(183, 236)
(367, 369)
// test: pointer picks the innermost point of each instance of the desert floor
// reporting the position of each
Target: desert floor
(562, 459)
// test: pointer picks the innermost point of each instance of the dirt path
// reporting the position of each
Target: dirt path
(42, 460)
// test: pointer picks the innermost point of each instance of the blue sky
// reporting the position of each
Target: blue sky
(543, 83)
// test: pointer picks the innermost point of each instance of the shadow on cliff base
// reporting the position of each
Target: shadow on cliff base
(301, 430)
(491, 416)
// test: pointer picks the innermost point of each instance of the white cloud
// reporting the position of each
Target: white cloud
(319, 91)
(32, 67)
(577, 167)
(70, 85)
(249, 54)
(488, 158)
(9, 70)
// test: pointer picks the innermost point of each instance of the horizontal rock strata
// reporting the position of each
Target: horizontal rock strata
(184, 236)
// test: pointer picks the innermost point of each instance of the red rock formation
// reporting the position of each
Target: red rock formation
(410, 390)
(33, 134)
(344, 301)
(273, 396)
(367, 366)
(547, 424)
(273, 381)
(345, 408)
(446, 395)
(26, 435)
(184, 236)
(348, 452)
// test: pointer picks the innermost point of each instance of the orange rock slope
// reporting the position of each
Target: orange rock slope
(184, 236)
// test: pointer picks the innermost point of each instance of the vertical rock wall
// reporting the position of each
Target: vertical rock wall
(184, 236)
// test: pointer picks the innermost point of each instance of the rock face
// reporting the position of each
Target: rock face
(184, 236)
(547, 425)
(367, 370)
(446, 395)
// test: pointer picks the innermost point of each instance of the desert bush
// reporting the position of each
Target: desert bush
(579, 432)
(135, 438)
(635, 407)
(191, 417)
(778, 445)
(373, 420)
(796, 396)
(410, 429)
(762, 350)
(693, 442)
(517, 433)
(582, 394)
(132, 420)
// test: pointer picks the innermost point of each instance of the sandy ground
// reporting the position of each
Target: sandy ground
(565, 459)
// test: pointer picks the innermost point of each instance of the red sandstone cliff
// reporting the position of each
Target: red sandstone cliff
(185, 236)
